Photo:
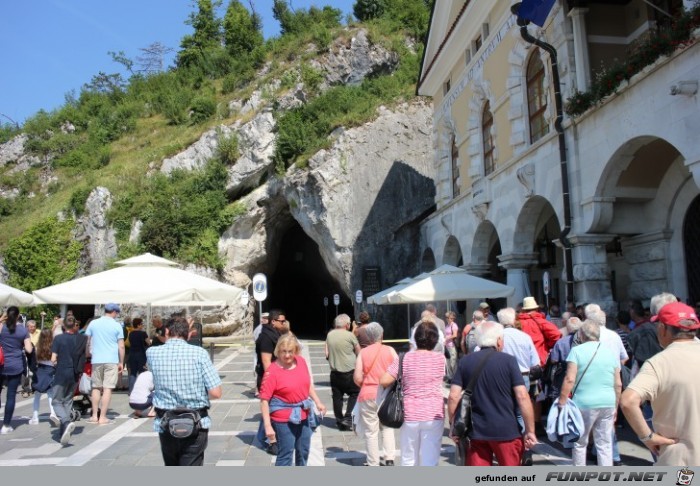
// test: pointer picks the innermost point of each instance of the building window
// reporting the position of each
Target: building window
(455, 167)
(536, 98)
(446, 87)
(486, 125)
(468, 56)
(476, 45)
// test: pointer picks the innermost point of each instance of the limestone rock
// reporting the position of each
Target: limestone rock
(360, 201)
(352, 63)
(4, 274)
(135, 232)
(12, 151)
(93, 229)
(256, 144)
(197, 154)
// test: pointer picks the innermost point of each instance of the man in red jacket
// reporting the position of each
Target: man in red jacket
(544, 335)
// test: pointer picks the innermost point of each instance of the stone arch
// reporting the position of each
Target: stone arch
(533, 217)
(633, 174)
(484, 238)
(517, 90)
(427, 262)
(482, 94)
(452, 255)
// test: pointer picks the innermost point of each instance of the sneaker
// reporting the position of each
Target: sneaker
(55, 421)
(6, 429)
(65, 437)
(34, 420)
(388, 462)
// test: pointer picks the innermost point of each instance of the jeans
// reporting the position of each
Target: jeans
(451, 363)
(342, 384)
(292, 440)
(63, 400)
(12, 382)
(184, 452)
(421, 442)
(600, 421)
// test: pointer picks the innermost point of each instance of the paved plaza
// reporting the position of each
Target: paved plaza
(132, 442)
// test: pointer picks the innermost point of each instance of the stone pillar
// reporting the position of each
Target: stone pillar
(591, 271)
(478, 269)
(647, 257)
(518, 267)
(583, 64)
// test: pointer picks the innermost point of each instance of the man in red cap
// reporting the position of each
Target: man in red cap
(669, 381)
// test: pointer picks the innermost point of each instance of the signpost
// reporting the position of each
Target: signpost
(336, 302)
(325, 310)
(260, 291)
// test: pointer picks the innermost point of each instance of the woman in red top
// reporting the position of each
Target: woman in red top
(286, 393)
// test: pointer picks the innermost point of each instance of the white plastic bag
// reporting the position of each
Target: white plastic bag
(85, 385)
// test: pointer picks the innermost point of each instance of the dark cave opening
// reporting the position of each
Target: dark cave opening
(299, 284)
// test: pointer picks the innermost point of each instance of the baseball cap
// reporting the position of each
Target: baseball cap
(674, 313)
(112, 307)
(484, 305)
(265, 314)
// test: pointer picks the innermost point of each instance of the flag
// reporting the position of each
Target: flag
(536, 11)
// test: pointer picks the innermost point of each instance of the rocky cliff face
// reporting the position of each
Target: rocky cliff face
(360, 200)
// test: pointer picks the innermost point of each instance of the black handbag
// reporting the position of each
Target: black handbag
(390, 412)
(462, 423)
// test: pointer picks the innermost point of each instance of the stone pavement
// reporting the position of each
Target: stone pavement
(132, 442)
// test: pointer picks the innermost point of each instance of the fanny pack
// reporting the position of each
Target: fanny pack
(181, 423)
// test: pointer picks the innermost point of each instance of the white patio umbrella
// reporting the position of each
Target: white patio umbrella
(449, 283)
(144, 279)
(12, 296)
(378, 298)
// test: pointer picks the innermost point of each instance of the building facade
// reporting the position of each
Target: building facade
(632, 160)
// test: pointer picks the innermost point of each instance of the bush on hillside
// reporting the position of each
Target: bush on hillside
(46, 254)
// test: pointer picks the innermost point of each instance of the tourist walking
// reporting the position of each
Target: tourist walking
(16, 344)
(43, 377)
(342, 349)
(371, 364)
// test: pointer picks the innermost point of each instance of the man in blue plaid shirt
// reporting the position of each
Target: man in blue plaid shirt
(184, 377)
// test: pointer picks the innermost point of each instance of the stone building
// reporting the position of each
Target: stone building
(632, 160)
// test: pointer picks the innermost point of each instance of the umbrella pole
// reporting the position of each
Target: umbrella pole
(408, 320)
(148, 319)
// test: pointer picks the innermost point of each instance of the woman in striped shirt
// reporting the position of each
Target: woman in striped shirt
(424, 408)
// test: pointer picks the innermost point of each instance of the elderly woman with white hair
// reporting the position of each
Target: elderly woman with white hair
(593, 380)
(370, 365)
(556, 367)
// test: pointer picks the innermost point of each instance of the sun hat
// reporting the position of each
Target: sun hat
(529, 303)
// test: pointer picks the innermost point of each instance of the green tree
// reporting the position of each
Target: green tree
(368, 9)
(206, 35)
(46, 254)
(242, 29)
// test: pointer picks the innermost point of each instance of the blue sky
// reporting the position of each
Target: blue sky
(51, 47)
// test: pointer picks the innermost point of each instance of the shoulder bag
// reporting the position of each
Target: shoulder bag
(462, 423)
(2, 353)
(390, 412)
(584, 372)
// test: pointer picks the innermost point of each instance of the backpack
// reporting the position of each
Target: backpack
(470, 340)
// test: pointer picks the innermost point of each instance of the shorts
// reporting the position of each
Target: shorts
(105, 375)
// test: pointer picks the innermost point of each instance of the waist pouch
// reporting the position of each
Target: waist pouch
(181, 423)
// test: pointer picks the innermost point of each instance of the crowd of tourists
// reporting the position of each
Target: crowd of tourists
(528, 373)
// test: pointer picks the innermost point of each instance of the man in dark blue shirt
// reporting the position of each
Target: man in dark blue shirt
(498, 392)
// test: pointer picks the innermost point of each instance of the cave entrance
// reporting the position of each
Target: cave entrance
(299, 284)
